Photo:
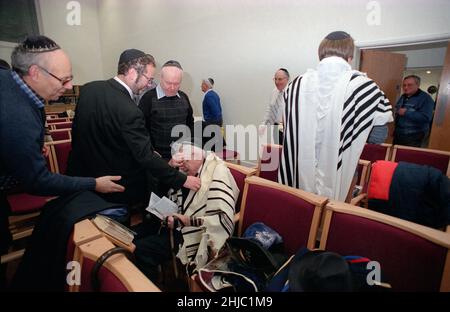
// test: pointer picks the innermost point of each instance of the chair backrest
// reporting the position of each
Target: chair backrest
(269, 162)
(61, 134)
(293, 213)
(363, 168)
(56, 120)
(61, 125)
(240, 173)
(423, 156)
(229, 155)
(60, 151)
(412, 257)
(117, 274)
(374, 152)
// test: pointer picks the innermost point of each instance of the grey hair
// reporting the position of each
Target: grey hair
(416, 79)
(209, 82)
(22, 60)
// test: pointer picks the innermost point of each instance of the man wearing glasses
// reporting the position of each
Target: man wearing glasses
(109, 133)
(40, 71)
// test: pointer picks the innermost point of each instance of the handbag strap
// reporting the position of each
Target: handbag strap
(95, 281)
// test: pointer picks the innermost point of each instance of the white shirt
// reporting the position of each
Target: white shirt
(126, 86)
(160, 92)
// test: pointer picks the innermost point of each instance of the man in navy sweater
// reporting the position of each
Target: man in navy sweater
(40, 71)
(212, 110)
(414, 112)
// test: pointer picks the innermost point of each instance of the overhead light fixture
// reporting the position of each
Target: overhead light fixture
(428, 71)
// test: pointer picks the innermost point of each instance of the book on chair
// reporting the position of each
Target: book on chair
(114, 229)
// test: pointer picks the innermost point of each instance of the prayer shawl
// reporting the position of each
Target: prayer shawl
(329, 114)
(214, 204)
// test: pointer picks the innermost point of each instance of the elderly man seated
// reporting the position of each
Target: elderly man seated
(204, 220)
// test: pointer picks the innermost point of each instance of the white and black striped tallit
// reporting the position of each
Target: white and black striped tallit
(213, 204)
(329, 113)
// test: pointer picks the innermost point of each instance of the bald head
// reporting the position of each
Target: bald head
(171, 77)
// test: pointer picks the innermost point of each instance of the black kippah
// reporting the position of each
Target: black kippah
(130, 55)
(37, 44)
(173, 63)
(337, 35)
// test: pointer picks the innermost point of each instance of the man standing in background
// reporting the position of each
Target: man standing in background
(212, 110)
(414, 113)
(274, 112)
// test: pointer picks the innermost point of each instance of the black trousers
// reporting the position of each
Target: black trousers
(153, 245)
(5, 235)
(414, 139)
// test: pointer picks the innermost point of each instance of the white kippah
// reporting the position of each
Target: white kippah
(207, 82)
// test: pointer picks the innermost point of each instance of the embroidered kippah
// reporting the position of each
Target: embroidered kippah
(38, 44)
(337, 35)
(173, 64)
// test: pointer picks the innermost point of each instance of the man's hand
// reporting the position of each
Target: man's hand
(106, 185)
(182, 218)
(177, 160)
(192, 183)
(45, 151)
(401, 111)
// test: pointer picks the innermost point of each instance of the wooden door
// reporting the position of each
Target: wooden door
(386, 69)
(440, 131)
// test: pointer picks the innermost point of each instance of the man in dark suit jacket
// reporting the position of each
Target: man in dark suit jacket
(109, 133)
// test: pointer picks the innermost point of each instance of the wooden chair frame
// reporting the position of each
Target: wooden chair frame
(419, 149)
(438, 237)
(318, 201)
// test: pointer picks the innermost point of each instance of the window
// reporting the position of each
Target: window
(18, 19)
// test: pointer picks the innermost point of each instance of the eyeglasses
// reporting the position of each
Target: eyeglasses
(148, 78)
(279, 79)
(63, 81)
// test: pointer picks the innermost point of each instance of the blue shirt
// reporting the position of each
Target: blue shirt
(212, 110)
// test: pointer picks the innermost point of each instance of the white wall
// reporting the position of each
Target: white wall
(425, 58)
(6, 49)
(81, 42)
(240, 43)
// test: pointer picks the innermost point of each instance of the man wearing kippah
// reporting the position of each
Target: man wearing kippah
(329, 114)
(165, 107)
(40, 71)
(212, 110)
(109, 133)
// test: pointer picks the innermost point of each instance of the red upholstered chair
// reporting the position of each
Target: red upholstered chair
(229, 155)
(25, 209)
(240, 173)
(117, 274)
(61, 125)
(269, 162)
(293, 213)
(423, 156)
(412, 257)
(374, 152)
(61, 134)
(56, 120)
(60, 151)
